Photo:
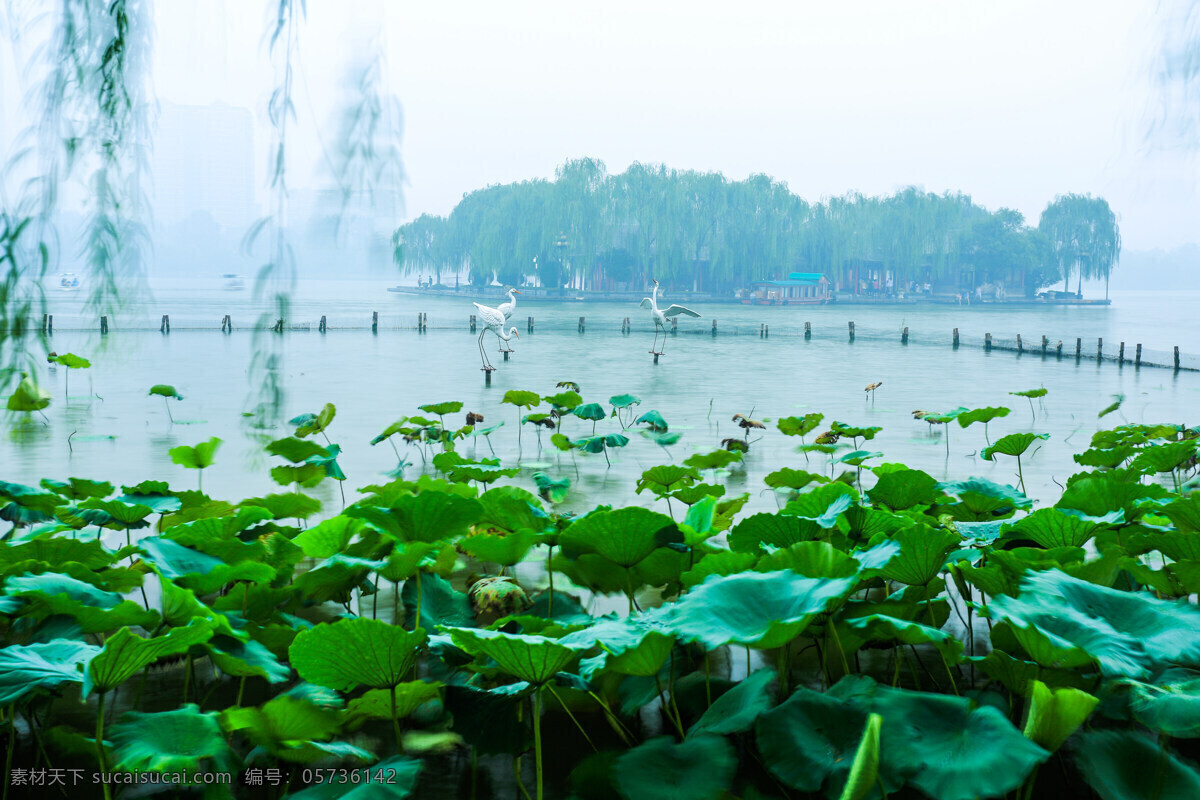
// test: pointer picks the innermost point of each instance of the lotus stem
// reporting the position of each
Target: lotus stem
(550, 575)
(99, 744)
(838, 644)
(664, 698)
(169, 415)
(573, 719)
(396, 724)
(517, 759)
(417, 615)
(1021, 474)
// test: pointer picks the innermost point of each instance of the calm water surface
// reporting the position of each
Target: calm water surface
(120, 434)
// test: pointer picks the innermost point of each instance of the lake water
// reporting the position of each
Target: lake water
(118, 433)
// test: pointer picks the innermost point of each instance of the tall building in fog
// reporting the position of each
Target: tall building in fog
(204, 162)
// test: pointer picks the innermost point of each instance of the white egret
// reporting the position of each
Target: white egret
(493, 318)
(508, 308)
(660, 317)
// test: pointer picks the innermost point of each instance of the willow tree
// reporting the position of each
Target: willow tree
(1085, 236)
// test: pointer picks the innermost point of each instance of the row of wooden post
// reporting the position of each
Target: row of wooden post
(626, 327)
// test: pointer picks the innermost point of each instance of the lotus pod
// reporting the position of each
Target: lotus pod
(499, 596)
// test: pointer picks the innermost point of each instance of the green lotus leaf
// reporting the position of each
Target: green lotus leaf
(1030, 393)
(1106, 458)
(799, 426)
(932, 742)
(355, 652)
(513, 509)
(56, 553)
(309, 424)
(945, 417)
(760, 531)
(528, 658)
(982, 500)
(691, 495)
(199, 571)
(904, 489)
(125, 654)
(757, 609)
(1050, 527)
(1170, 706)
(126, 515)
(984, 415)
(26, 669)
(328, 536)
(624, 400)
(592, 411)
(1098, 494)
(879, 628)
(721, 563)
(598, 444)
(92, 608)
(624, 536)
(72, 361)
(170, 741)
(522, 399)
(165, 390)
(717, 459)
(399, 426)
(923, 552)
(377, 703)
(856, 458)
(792, 478)
(666, 478)
(551, 489)
(294, 449)
(197, 457)
(1126, 765)
(78, 488)
(248, 658)
(1015, 444)
(1055, 714)
(810, 559)
(1063, 621)
(504, 550)
(653, 421)
(564, 401)
(854, 432)
(864, 772)
(430, 516)
(1164, 457)
(281, 720)
(659, 769)
(823, 505)
(738, 709)
(1184, 513)
(28, 396)
(809, 740)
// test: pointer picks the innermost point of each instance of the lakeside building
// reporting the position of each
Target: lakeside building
(800, 288)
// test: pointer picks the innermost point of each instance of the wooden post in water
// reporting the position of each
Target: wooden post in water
(1058, 349)
(44, 322)
(1099, 349)
(582, 323)
(904, 335)
(530, 326)
(1137, 359)
(674, 325)
(506, 352)
(165, 325)
(1045, 342)
(852, 331)
(1078, 347)
(956, 338)
(322, 326)
(226, 324)
(1121, 354)
(1176, 358)
(656, 358)
(278, 326)
(103, 324)
(625, 326)
(808, 330)
(472, 323)
(714, 328)
(50, 327)
(987, 343)
(1020, 347)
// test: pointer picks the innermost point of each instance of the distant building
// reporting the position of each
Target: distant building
(799, 288)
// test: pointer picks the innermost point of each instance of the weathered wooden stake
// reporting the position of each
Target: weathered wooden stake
(487, 377)
(1058, 349)
(165, 325)
(904, 335)
(322, 327)
(472, 323)
(530, 328)
(1121, 354)
(104, 324)
(1176, 357)
(1100, 348)
(278, 326)
(714, 328)
(656, 358)
(625, 326)
(226, 324)
(582, 323)
(1045, 342)
(1137, 359)
(44, 316)
(852, 331)
(50, 325)
(956, 337)
(1020, 347)
(808, 330)
(987, 343)
(505, 355)
(1078, 347)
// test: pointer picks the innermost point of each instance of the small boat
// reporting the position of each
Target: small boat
(233, 283)
(68, 282)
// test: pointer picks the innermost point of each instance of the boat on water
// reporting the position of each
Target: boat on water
(233, 283)
(68, 282)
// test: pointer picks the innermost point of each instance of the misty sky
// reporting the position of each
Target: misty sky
(1009, 102)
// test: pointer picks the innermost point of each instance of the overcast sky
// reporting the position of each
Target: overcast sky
(1009, 102)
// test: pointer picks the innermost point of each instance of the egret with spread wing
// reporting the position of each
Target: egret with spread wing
(493, 318)
(660, 317)
(508, 308)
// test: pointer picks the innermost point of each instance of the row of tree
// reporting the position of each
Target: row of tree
(700, 231)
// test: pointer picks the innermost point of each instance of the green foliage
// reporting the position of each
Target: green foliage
(1015, 444)
(165, 390)
(28, 396)
(70, 361)
(355, 652)
(198, 457)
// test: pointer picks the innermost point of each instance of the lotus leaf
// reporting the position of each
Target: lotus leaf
(792, 478)
(738, 709)
(1170, 706)
(377, 703)
(665, 478)
(904, 489)
(1164, 457)
(1098, 494)
(93, 609)
(328, 536)
(1106, 458)
(923, 552)
(25, 669)
(534, 659)
(399, 426)
(309, 424)
(984, 415)
(653, 420)
(165, 390)
(564, 401)
(79, 488)
(355, 652)
(855, 432)
(294, 449)
(28, 396)
(1015, 444)
(624, 400)
(799, 426)
(823, 505)
(1124, 765)
(551, 489)
(809, 739)
(810, 559)
(864, 772)
(720, 563)
(593, 411)
(522, 399)
(125, 654)
(197, 457)
(505, 550)
(170, 741)
(441, 604)
(1055, 714)
(624, 536)
(758, 531)
(1030, 393)
(248, 658)
(430, 516)
(699, 769)
(879, 628)
(1050, 527)
(1184, 512)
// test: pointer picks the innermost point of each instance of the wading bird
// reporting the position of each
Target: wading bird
(871, 389)
(508, 308)
(493, 318)
(660, 317)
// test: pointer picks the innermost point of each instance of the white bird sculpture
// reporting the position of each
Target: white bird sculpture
(493, 318)
(660, 317)
(508, 308)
